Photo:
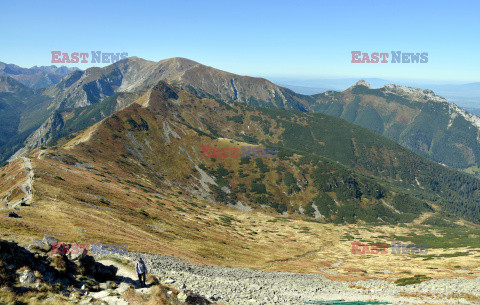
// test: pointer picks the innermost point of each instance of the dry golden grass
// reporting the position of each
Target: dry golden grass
(11, 177)
(33, 298)
(158, 295)
(112, 203)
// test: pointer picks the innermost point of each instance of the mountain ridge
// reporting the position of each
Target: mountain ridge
(35, 77)
(89, 87)
(406, 119)
(183, 119)
(416, 118)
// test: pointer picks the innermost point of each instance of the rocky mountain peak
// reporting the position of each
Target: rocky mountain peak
(165, 91)
(414, 93)
(361, 83)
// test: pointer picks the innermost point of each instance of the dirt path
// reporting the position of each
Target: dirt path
(27, 186)
(296, 258)
(124, 273)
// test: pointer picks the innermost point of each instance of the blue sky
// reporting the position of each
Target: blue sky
(267, 38)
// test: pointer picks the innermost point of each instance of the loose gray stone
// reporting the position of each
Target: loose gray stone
(48, 240)
(27, 277)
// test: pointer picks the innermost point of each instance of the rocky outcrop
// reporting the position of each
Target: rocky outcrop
(84, 280)
(27, 277)
(39, 137)
(12, 214)
(40, 267)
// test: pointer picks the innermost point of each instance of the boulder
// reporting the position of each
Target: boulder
(76, 253)
(100, 294)
(28, 277)
(12, 214)
(36, 243)
(87, 263)
(48, 240)
(182, 297)
(122, 288)
(105, 273)
(86, 301)
(114, 300)
(195, 299)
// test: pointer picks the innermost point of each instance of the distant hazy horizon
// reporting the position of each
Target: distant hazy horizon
(273, 38)
(299, 79)
(464, 94)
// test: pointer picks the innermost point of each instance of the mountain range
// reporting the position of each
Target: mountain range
(464, 95)
(416, 118)
(83, 89)
(133, 111)
(327, 168)
(35, 77)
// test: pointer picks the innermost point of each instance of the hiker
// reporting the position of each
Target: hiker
(141, 271)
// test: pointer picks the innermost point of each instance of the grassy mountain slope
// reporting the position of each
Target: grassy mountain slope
(414, 118)
(82, 89)
(326, 168)
(138, 177)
